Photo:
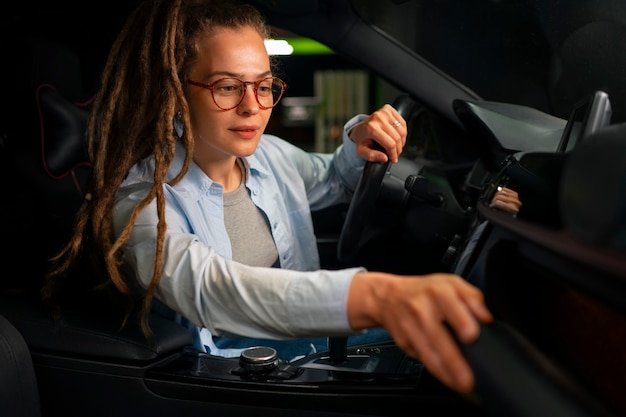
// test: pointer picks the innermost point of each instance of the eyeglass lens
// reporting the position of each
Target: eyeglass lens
(229, 92)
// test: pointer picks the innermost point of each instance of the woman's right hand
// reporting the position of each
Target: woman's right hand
(418, 312)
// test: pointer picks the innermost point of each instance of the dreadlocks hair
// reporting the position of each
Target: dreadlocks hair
(132, 118)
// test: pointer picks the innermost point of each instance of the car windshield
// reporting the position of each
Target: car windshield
(547, 54)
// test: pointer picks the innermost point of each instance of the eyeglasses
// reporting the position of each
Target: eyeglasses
(228, 93)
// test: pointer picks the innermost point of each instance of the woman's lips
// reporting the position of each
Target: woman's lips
(245, 132)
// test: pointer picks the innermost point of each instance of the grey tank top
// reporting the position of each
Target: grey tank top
(248, 228)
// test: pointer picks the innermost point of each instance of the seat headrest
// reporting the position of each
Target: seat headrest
(34, 61)
(593, 188)
(63, 126)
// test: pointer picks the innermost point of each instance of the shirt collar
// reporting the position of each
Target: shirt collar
(255, 167)
(196, 180)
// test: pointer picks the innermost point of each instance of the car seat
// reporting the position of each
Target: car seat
(43, 175)
(589, 47)
(47, 168)
(19, 396)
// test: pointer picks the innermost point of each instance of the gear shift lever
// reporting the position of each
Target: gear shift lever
(338, 349)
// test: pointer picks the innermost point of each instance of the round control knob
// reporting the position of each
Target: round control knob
(259, 359)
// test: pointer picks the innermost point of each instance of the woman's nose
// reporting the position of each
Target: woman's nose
(249, 104)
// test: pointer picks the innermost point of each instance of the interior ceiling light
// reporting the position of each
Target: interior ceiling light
(278, 47)
(296, 46)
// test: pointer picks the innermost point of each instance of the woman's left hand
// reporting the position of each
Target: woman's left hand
(384, 127)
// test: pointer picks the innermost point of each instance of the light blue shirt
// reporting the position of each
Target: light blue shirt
(218, 296)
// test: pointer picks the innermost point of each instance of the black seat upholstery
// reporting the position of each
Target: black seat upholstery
(19, 396)
(47, 168)
(593, 200)
(594, 34)
(42, 160)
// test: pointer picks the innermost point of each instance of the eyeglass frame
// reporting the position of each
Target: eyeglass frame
(255, 87)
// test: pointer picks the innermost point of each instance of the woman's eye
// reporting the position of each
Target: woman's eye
(227, 88)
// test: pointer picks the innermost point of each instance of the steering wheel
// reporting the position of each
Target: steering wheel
(361, 208)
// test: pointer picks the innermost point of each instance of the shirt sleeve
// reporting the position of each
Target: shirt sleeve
(228, 297)
(328, 178)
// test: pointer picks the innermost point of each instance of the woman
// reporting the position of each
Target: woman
(212, 218)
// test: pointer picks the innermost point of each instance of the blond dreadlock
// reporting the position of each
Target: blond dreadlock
(132, 118)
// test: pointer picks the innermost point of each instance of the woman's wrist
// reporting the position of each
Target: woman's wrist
(367, 289)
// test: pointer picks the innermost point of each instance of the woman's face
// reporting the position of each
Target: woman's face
(218, 134)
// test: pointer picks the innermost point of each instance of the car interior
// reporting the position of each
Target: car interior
(553, 275)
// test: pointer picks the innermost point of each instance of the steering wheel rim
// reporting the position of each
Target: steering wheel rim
(367, 190)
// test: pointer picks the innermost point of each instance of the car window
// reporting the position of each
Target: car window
(494, 47)
(546, 54)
